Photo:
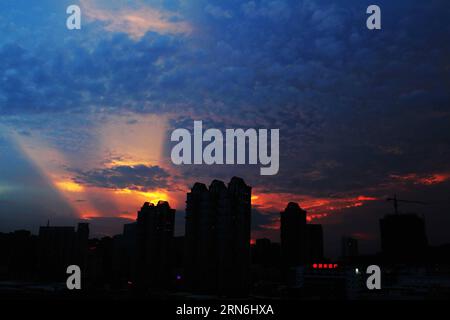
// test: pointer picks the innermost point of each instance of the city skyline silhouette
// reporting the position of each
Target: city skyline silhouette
(217, 256)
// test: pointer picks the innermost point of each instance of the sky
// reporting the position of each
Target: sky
(86, 115)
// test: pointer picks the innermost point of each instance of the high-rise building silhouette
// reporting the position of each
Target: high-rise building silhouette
(218, 237)
(129, 243)
(154, 235)
(178, 261)
(293, 235)
(199, 262)
(403, 237)
(234, 228)
(301, 243)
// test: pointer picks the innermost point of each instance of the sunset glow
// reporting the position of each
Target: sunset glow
(69, 186)
(316, 207)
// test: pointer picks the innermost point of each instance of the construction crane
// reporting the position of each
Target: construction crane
(396, 201)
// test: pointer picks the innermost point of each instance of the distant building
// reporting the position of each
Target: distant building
(301, 243)
(217, 237)
(200, 243)
(349, 247)
(403, 237)
(293, 235)
(129, 256)
(154, 234)
(124, 257)
(18, 255)
(265, 253)
(178, 262)
(59, 247)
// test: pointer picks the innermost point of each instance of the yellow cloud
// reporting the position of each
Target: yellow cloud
(151, 196)
(69, 186)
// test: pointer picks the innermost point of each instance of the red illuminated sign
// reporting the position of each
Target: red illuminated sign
(324, 265)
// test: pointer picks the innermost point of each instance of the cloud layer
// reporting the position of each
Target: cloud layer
(138, 177)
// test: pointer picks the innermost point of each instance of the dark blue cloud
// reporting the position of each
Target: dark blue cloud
(336, 90)
(138, 177)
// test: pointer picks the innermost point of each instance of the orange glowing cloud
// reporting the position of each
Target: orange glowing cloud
(127, 140)
(125, 202)
(120, 140)
(69, 186)
(136, 21)
(127, 196)
(427, 179)
(317, 207)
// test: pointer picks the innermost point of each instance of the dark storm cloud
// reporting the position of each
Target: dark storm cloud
(138, 177)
